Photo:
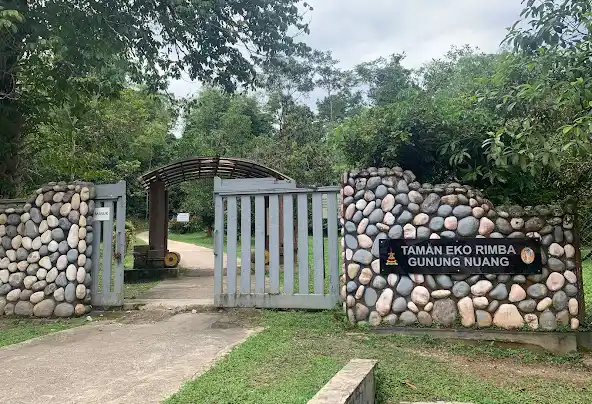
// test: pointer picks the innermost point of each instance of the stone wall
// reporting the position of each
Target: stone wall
(45, 252)
(390, 203)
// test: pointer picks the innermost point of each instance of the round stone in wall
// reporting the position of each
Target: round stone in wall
(527, 306)
(413, 208)
(547, 321)
(420, 296)
(408, 318)
(405, 217)
(61, 280)
(444, 312)
(396, 232)
(555, 281)
(430, 204)
(461, 289)
(415, 197)
(500, 292)
(444, 281)
(560, 300)
(64, 310)
(444, 210)
(409, 231)
(405, 286)
(517, 293)
(388, 203)
(555, 264)
(399, 305)
(481, 288)
(370, 297)
(508, 317)
(365, 275)
(462, 211)
(451, 223)
(383, 305)
(436, 224)
(421, 219)
(423, 233)
(468, 226)
(556, 250)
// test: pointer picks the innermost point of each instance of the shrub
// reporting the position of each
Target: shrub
(192, 226)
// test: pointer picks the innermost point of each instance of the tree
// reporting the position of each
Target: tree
(547, 111)
(214, 41)
(112, 139)
(387, 80)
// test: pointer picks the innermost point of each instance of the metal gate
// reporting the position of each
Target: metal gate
(108, 249)
(277, 214)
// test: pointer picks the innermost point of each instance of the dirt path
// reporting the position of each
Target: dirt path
(141, 361)
(192, 256)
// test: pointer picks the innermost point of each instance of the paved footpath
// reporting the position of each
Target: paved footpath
(195, 289)
(114, 362)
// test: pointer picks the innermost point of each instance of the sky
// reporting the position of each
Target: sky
(358, 31)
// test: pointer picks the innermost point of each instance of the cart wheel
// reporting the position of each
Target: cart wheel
(171, 259)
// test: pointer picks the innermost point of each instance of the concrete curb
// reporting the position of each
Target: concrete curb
(353, 384)
(556, 342)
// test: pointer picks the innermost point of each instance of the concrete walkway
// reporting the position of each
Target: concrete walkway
(192, 256)
(116, 362)
(193, 290)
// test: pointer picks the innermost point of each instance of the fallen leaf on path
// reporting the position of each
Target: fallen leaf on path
(406, 383)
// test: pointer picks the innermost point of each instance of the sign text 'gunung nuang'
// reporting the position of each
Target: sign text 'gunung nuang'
(461, 256)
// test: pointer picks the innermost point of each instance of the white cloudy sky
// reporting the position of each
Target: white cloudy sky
(362, 30)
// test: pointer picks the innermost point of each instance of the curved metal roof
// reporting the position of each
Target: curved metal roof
(195, 168)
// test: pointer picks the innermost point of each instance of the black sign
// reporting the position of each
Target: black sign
(461, 256)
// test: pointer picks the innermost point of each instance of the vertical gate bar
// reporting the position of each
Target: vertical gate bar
(303, 243)
(96, 258)
(274, 244)
(107, 249)
(120, 248)
(317, 246)
(218, 242)
(333, 246)
(245, 281)
(259, 244)
(231, 244)
(288, 244)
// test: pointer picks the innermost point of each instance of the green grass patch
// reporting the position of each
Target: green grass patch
(298, 352)
(201, 239)
(13, 331)
(587, 279)
(135, 289)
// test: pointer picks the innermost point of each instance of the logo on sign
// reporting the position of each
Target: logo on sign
(527, 255)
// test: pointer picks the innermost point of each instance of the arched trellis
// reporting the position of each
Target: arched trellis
(157, 181)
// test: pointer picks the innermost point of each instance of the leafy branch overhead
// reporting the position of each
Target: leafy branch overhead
(53, 53)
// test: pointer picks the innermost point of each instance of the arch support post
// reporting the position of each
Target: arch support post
(158, 220)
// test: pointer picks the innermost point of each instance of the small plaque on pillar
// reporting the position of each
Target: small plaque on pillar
(102, 214)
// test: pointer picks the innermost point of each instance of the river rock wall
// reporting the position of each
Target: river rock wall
(390, 203)
(45, 252)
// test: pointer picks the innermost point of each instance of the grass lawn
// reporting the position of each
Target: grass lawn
(587, 278)
(201, 239)
(14, 330)
(298, 352)
(133, 290)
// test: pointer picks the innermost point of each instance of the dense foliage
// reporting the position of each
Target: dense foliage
(83, 103)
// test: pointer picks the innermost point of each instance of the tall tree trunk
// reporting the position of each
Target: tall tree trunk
(11, 114)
